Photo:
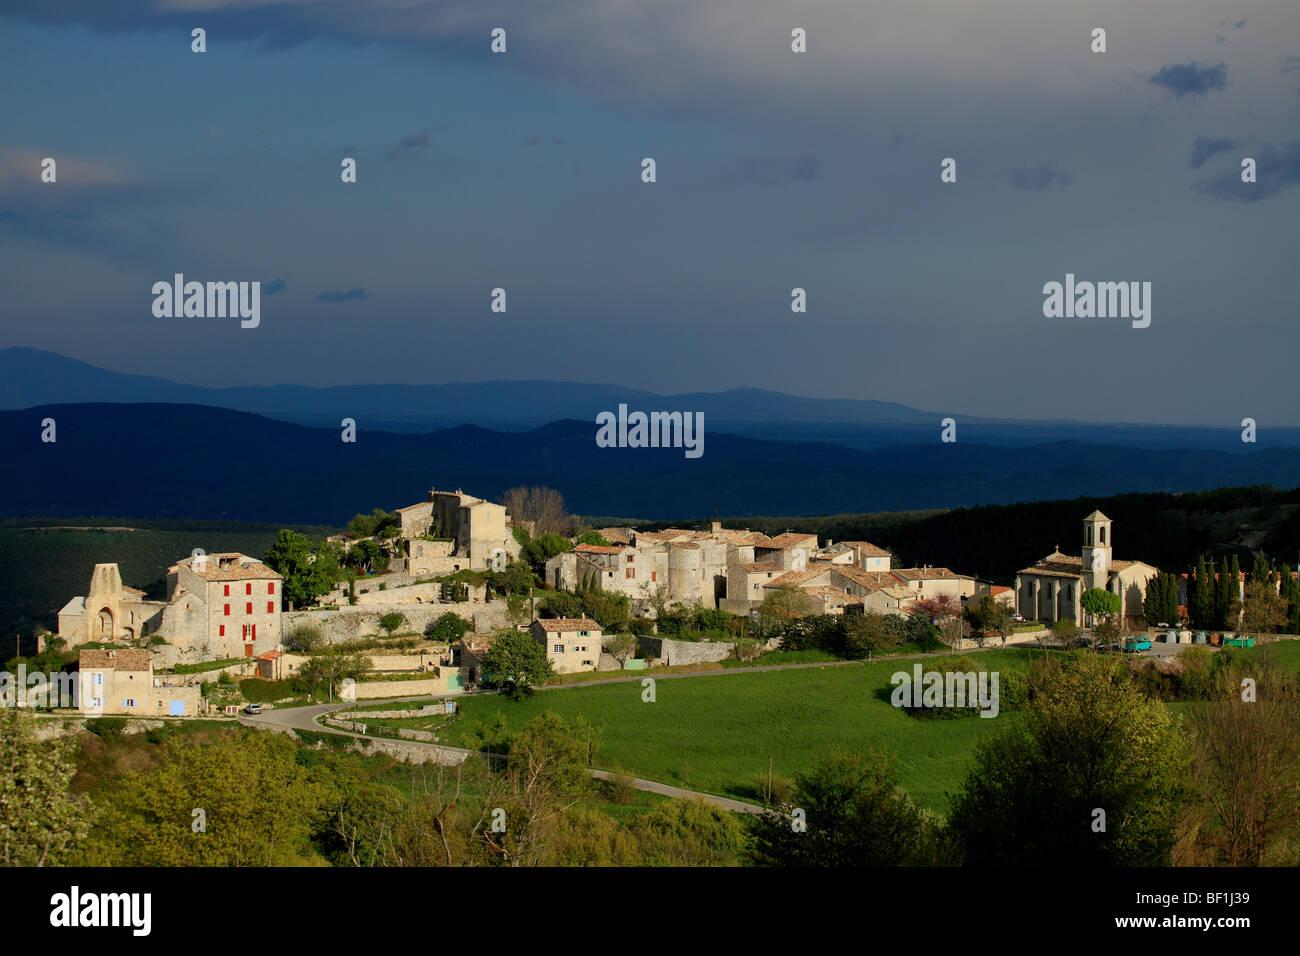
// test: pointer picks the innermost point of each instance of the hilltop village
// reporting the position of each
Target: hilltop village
(456, 571)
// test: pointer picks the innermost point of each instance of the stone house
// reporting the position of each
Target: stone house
(572, 643)
(479, 532)
(218, 605)
(121, 682)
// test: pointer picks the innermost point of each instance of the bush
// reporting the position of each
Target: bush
(392, 621)
(106, 727)
(447, 628)
(260, 690)
(641, 626)
(618, 787)
(224, 678)
(781, 790)
(304, 639)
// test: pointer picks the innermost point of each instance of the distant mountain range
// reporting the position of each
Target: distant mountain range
(164, 460)
(33, 377)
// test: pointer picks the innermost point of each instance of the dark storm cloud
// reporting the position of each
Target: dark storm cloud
(1205, 147)
(1275, 170)
(1183, 79)
(1042, 176)
(807, 166)
(415, 143)
(348, 296)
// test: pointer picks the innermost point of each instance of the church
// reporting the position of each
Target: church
(1051, 589)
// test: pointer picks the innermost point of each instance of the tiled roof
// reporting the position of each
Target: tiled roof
(794, 579)
(926, 574)
(1058, 565)
(598, 549)
(125, 659)
(759, 567)
(270, 656)
(867, 548)
(871, 580)
(787, 540)
(564, 624)
(228, 567)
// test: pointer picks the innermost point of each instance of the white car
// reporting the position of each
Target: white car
(253, 709)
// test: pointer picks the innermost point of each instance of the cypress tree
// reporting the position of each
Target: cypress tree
(1234, 594)
(1202, 598)
(1171, 598)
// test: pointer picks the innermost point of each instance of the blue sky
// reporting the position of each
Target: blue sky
(775, 170)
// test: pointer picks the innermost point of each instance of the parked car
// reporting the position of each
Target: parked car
(253, 709)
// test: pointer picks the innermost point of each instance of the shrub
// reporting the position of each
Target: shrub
(447, 628)
(392, 621)
(304, 639)
(106, 727)
(260, 690)
(776, 792)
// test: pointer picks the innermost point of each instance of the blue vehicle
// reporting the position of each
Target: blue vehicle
(1134, 644)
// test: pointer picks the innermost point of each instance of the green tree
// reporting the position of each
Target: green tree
(379, 524)
(593, 537)
(1290, 590)
(257, 808)
(1200, 596)
(303, 639)
(1091, 743)
(1103, 605)
(689, 833)
(1264, 612)
(621, 646)
(516, 663)
(391, 621)
(447, 628)
(323, 673)
(41, 822)
(855, 814)
(309, 570)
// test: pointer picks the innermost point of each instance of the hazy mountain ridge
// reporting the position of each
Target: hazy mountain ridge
(199, 462)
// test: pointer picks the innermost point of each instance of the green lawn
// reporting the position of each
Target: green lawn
(713, 733)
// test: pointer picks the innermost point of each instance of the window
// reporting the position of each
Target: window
(99, 680)
(1103, 534)
(221, 631)
(227, 610)
(270, 588)
(129, 702)
(559, 648)
(227, 591)
(248, 608)
(654, 576)
(270, 607)
(584, 633)
(97, 703)
(629, 559)
(248, 588)
(254, 632)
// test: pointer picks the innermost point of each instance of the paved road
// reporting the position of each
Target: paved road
(306, 718)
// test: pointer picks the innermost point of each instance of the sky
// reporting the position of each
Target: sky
(522, 170)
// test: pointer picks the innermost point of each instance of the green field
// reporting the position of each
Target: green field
(712, 733)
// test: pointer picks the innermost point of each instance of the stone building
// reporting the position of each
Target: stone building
(478, 533)
(218, 605)
(572, 643)
(121, 682)
(1051, 589)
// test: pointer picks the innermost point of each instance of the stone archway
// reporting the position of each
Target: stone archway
(106, 628)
